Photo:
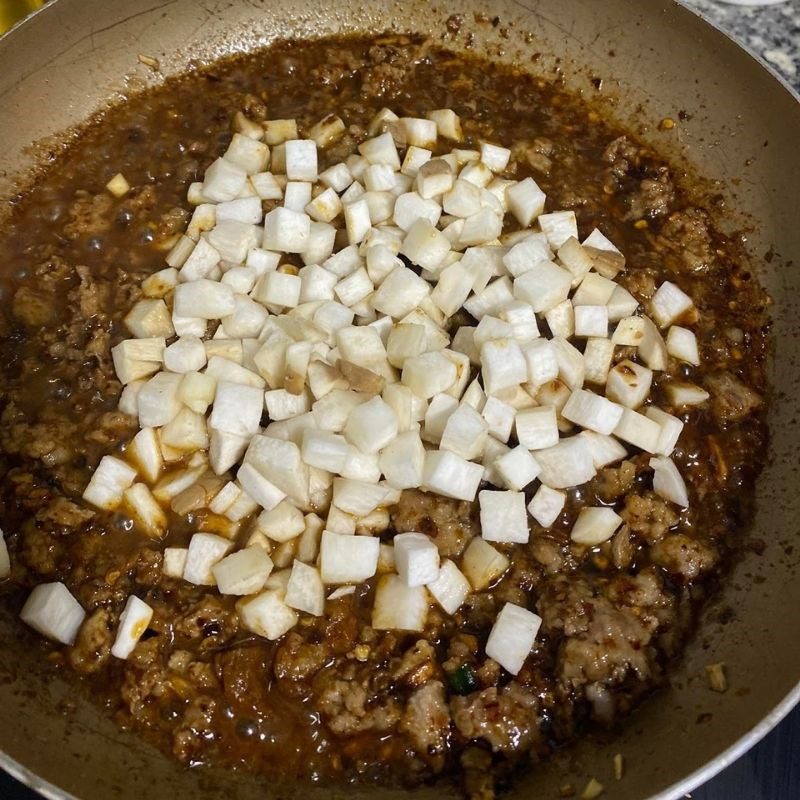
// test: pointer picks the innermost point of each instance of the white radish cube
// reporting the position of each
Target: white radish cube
(429, 374)
(405, 341)
(205, 550)
(503, 517)
(52, 611)
(416, 558)
(568, 463)
(484, 226)
(558, 227)
(224, 498)
(464, 342)
(186, 354)
(320, 244)
(265, 186)
(144, 509)
(338, 177)
(465, 433)
(541, 361)
(437, 414)
(361, 466)
(381, 260)
(243, 572)
(629, 331)
(481, 564)
(301, 160)
(284, 405)
(571, 368)
(224, 369)
(499, 417)
(371, 426)
(279, 289)
(494, 156)
(204, 299)
(638, 430)
(537, 428)
(595, 525)
(597, 357)
(591, 321)
(348, 559)
(379, 178)
(543, 286)
(283, 522)
(671, 428)
(605, 449)
(517, 468)
(575, 258)
(503, 365)
(462, 200)
(490, 328)
(381, 150)
(399, 606)
(133, 623)
(595, 290)
(354, 191)
(242, 507)
(512, 637)
(280, 462)
(592, 411)
(522, 319)
(669, 303)
(325, 207)
(247, 153)
(225, 449)
(681, 394)
(297, 195)
(621, 304)
(546, 505)
(324, 450)
(629, 384)
(450, 588)
(357, 220)
(419, 132)
(682, 344)
(434, 178)
(223, 181)
(127, 399)
(305, 590)
(339, 521)
(653, 348)
(424, 246)
(491, 453)
(189, 326)
(332, 410)
(243, 209)
(409, 408)
(354, 288)
(233, 240)
(240, 279)
(267, 615)
(561, 320)
(491, 300)
(411, 207)
(450, 475)
(525, 201)
(476, 173)
(317, 283)
(108, 483)
(667, 481)
(286, 230)
(150, 318)
(174, 561)
(402, 461)
(145, 452)
(359, 497)
(237, 409)
(448, 123)
(400, 293)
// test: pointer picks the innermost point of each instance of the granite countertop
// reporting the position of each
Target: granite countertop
(771, 770)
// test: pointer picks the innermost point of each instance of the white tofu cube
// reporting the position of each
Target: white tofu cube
(348, 559)
(503, 517)
(398, 606)
(546, 505)
(243, 572)
(595, 525)
(133, 623)
(52, 611)
(205, 550)
(512, 637)
(267, 615)
(416, 558)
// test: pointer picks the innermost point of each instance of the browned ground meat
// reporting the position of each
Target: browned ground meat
(334, 699)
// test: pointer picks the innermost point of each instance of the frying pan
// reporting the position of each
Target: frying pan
(737, 126)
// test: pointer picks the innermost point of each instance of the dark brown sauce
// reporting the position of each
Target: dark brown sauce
(71, 258)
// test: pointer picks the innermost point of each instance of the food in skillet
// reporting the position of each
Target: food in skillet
(397, 414)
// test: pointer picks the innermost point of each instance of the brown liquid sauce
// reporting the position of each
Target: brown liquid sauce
(335, 700)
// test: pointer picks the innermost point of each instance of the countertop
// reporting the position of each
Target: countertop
(771, 770)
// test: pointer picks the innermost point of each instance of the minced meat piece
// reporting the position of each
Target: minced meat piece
(649, 516)
(684, 557)
(426, 721)
(732, 400)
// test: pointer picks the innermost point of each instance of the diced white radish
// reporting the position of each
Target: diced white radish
(242, 507)
(280, 462)
(223, 181)
(186, 354)
(682, 344)
(595, 525)
(411, 207)
(237, 408)
(205, 550)
(348, 559)
(320, 243)
(174, 561)
(332, 410)
(591, 321)
(305, 590)
(512, 637)
(491, 300)
(52, 611)
(595, 290)
(605, 449)
(267, 615)
(462, 200)
(400, 293)
(301, 160)
(638, 430)
(205, 299)
(537, 428)
(398, 606)
(144, 451)
(327, 130)
(543, 286)
(438, 412)
(450, 588)
(402, 461)
(476, 173)
(247, 153)
(224, 498)
(297, 195)
(652, 348)
(568, 463)
(405, 341)
(481, 564)
(450, 475)
(597, 357)
(416, 558)
(265, 186)
(592, 412)
(671, 428)
(189, 326)
(371, 426)
(243, 572)
(243, 209)
(494, 156)
(499, 417)
(558, 227)
(621, 304)
(517, 468)
(227, 371)
(381, 150)
(465, 433)
(629, 383)
(669, 304)
(133, 623)
(286, 230)
(429, 374)
(339, 521)
(283, 405)
(419, 132)
(279, 289)
(139, 503)
(490, 328)
(522, 319)
(408, 408)
(541, 360)
(240, 279)
(316, 284)
(185, 432)
(667, 481)
(357, 220)
(324, 450)
(325, 207)
(525, 201)
(283, 522)
(358, 497)
(424, 246)
(150, 318)
(681, 394)
(127, 399)
(546, 505)
(109, 482)
(354, 288)
(434, 178)
(233, 240)
(337, 177)
(481, 227)
(629, 331)
(503, 365)
(503, 517)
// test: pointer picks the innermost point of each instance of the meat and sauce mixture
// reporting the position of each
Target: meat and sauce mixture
(336, 696)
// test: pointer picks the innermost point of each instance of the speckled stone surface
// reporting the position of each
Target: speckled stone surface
(771, 31)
